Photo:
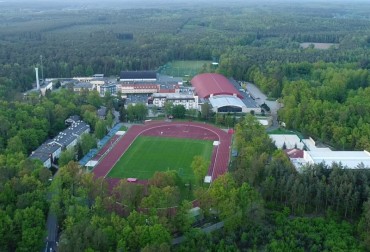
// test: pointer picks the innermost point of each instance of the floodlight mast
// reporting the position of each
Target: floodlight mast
(42, 70)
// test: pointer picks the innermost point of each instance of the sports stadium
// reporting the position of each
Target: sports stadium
(160, 146)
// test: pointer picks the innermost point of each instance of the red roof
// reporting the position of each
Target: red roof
(166, 91)
(294, 153)
(211, 83)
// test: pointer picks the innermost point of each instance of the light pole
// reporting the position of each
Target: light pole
(42, 70)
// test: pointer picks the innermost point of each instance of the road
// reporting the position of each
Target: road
(52, 228)
(209, 229)
(261, 98)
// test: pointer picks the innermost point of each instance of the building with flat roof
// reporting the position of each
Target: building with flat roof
(97, 82)
(108, 88)
(303, 152)
(138, 76)
(189, 101)
(349, 159)
(80, 86)
(126, 89)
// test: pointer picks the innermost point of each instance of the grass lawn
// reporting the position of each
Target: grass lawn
(150, 154)
(184, 68)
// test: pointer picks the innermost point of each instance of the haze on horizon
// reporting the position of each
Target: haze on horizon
(114, 4)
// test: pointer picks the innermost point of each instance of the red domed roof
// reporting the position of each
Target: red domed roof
(208, 84)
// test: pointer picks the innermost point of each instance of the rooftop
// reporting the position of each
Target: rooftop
(173, 96)
(40, 155)
(72, 119)
(225, 100)
(70, 134)
(291, 141)
(208, 84)
(102, 112)
(139, 86)
(247, 99)
(140, 75)
(83, 85)
(350, 159)
(294, 153)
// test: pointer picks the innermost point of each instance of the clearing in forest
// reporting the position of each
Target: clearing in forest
(321, 46)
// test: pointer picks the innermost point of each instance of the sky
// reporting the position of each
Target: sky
(126, 4)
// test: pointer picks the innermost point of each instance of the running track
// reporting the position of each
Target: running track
(105, 148)
(220, 155)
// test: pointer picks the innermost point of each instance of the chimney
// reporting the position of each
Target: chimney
(37, 79)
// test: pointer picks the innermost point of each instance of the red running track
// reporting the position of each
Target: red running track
(106, 147)
(220, 156)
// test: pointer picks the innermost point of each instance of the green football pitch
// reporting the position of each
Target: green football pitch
(147, 155)
(183, 68)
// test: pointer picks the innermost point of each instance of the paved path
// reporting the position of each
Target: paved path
(209, 229)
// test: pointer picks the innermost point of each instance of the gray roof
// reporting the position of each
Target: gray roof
(138, 75)
(70, 134)
(41, 156)
(109, 85)
(63, 139)
(247, 99)
(83, 85)
(249, 102)
(45, 151)
(174, 96)
(102, 111)
(73, 118)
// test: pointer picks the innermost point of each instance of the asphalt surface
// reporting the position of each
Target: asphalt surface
(261, 98)
(52, 230)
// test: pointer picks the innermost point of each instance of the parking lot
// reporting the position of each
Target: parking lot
(261, 98)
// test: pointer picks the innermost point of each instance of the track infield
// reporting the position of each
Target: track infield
(183, 130)
(149, 154)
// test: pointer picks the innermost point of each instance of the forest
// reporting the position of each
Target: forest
(263, 202)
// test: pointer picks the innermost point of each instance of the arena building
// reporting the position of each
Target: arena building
(222, 94)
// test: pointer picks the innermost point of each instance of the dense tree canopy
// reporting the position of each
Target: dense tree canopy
(263, 203)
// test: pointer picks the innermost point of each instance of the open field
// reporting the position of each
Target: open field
(150, 154)
(183, 68)
(321, 46)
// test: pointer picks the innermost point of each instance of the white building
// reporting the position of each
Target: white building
(189, 101)
(137, 88)
(290, 141)
(317, 155)
(349, 159)
(95, 82)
